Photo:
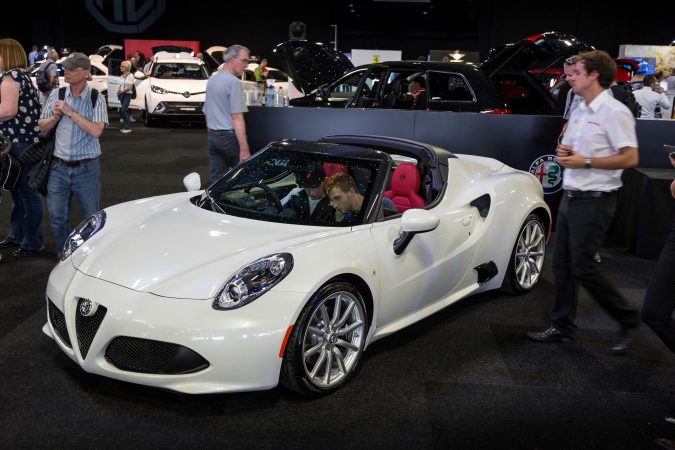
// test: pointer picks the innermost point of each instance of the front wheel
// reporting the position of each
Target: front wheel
(527, 257)
(326, 343)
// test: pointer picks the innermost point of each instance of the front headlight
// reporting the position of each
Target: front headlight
(86, 229)
(253, 280)
(157, 90)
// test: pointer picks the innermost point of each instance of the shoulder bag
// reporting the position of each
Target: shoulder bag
(10, 169)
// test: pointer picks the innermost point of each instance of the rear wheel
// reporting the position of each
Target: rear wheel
(326, 344)
(527, 257)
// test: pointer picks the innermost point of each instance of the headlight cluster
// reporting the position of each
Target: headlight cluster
(157, 90)
(86, 229)
(253, 280)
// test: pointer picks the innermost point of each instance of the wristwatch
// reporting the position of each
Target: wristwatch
(587, 163)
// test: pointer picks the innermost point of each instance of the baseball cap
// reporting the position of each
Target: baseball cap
(75, 60)
(311, 179)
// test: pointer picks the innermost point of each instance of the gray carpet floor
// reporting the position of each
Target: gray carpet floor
(466, 378)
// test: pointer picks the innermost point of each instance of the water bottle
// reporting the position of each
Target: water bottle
(279, 100)
(269, 99)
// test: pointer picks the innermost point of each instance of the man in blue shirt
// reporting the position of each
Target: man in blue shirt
(75, 166)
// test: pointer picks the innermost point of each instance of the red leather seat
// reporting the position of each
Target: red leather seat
(405, 183)
(332, 168)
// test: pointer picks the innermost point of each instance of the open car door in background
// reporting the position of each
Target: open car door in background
(514, 67)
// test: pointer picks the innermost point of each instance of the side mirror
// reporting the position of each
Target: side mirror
(414, 221)
(192, 182)
(139, 75)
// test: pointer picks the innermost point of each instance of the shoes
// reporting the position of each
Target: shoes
(126, 130)
(625, 340)
(7, 243)
(664, 444)
(597, 257)
(670, 418)
(550, 335)
(22, 253)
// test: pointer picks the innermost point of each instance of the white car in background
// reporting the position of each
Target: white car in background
(99, 74)
(175, 88)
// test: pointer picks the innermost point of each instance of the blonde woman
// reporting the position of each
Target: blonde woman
(124, 94)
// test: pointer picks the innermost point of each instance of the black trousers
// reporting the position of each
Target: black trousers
(580, 230)
(657, 310)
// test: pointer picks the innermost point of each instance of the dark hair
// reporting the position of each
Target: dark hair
(421, 81)
(599, 61)
(648, 80)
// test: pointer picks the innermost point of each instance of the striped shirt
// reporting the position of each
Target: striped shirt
(72, 143)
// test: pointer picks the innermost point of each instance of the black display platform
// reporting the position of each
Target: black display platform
(645, 210)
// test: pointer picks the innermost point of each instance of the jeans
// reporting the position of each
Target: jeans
(659, 304)
(84, 182)
(26, 216)
(580, 230)
(125, 99)
(223, 153)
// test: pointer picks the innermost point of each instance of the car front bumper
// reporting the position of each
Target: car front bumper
(241, 346)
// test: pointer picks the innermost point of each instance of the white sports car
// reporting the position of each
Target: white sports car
(239, 287)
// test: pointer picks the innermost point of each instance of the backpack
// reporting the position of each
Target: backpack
(42, 77)
(625, 96)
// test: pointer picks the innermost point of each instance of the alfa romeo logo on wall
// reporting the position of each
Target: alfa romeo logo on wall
(548, 172)
(130, 16)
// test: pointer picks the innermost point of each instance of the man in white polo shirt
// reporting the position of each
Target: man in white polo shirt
(599, 142)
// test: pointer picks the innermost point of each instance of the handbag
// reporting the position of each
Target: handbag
(40, 154)
(10, 169)
(133, 91)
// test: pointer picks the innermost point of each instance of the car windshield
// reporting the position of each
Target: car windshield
(283, 185)
(180, 71)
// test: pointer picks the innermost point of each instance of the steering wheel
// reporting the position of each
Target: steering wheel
(270, 193)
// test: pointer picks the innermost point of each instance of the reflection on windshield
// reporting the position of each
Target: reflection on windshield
(279, 185)
(177, 71)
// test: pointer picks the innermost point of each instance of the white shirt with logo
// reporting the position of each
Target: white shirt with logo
(597, 130)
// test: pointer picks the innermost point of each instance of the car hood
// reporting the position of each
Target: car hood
(170, 247)
(180, 86)
(540, 51)
(310, 65)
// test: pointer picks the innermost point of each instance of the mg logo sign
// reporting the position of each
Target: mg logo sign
(126, 16)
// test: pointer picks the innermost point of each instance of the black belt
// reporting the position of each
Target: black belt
(589, 194)
(79, 162)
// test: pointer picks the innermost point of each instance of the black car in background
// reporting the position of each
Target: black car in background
(502, 84)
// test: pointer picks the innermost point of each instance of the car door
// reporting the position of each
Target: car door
(431, 267)
(339, 94)
(369, 92)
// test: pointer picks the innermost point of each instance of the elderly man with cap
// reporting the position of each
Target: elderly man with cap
(79, 115)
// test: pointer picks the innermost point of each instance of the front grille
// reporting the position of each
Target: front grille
(183, 108)
(148, 356)
(58, 321)
(86, 327)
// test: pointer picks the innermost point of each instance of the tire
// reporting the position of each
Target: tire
(321, 357)
(527, 257)
(149, 120)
